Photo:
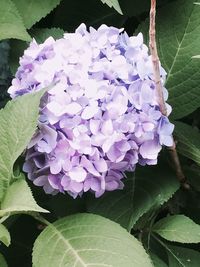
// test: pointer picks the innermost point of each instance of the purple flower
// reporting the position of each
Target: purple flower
(101, 116)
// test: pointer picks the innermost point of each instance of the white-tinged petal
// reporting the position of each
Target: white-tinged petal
(78, 174)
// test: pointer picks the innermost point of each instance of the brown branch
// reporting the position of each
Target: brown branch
(159, 89)
(179, 172)
(155, 59)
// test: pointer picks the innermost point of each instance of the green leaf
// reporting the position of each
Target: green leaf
(4, 236)
(17, 125)
(41, 35)
(17, 48)
(178, 38)
(19, 199)
(157, 262)
(88, 240)
(129, 7)
(11, 24)
(193, 176)
(62, 205)
(5, 74)
(183, 257)
(178, 228)
(114, 4)
(188, 141)
(34, 10)
(70, 14)
(137, 7)
(2, 261)
(152, 187)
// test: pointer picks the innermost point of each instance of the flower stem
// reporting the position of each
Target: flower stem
(159, 89)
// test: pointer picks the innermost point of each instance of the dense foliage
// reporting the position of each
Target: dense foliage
(154, 220)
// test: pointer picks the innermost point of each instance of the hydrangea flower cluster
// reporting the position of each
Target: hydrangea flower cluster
(100, 117)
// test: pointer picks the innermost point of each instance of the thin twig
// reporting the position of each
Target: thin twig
(159, 89)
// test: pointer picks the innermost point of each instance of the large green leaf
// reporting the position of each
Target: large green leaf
(88, 240)
(11, 24)
(183, 257)
(114, 4)
(34, 10)
(188, 141)
(152, 187)
(4, 235)
(2, 261)
(178, 228)
(178, 38)
(19, 199)
(17, 125)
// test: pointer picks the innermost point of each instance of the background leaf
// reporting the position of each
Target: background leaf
(19, 199)
(188, 141)
(11, 24)
(137, 7)
(2, 261)
(178, 228)
(178, 37)
(129, 7)
(17, 48)
(193, 176)
(5, 73)
(41, 35)
(157, 262)
(24, 230)
(114, 4)
(152, 187)
(183, 257)
(88, 240)
(4, 236)
(69, 15)
(33, 10)
(17, 125)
